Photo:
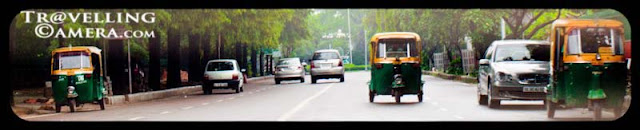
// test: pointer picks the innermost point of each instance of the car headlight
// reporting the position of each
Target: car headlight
(503, 77)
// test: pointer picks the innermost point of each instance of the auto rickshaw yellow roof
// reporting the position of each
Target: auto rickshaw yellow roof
(387, 35)
(91, 49)
(587, 23)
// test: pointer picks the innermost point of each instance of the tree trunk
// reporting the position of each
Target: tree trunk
(194, 58)
(173, 64)
(254, 59)
(262, 66)
(116, 67)
(206, 47)
(154, 63)
(244, 56)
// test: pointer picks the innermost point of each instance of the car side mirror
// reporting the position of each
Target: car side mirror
(484, 62)
(243, 70)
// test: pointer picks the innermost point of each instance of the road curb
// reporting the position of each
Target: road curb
(147, 96)
(466, 79)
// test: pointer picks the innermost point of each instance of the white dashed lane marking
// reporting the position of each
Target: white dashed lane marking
(189, 107)
(135, 118)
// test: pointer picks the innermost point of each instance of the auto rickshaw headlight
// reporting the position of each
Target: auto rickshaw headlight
(71, 88)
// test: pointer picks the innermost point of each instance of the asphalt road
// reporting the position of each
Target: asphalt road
(328, 100)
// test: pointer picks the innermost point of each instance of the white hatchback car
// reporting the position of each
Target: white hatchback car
(223, 74)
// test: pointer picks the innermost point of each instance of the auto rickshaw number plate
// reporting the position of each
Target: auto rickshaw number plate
(219, 84)
(533, 89)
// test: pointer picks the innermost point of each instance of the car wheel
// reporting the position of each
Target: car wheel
(237, 89)
(277, 81)
(482, 99)
(242, 88)
(206, 90)
(313, 79)
(302, 80)
(493, 103)
(342, 78)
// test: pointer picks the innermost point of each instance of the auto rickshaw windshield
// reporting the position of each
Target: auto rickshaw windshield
(588, 40)
(397, 48)
(71, 60)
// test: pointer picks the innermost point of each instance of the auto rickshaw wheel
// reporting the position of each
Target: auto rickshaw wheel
(372, 95)
(597, 109)
(617, 111)
(551, 108)
(72, 104)
(58, 107)
(398, 94)
(420, 96)
(101, 103)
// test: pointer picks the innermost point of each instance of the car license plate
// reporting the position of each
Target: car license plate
(325, 66)
(219, 84)
(533, 89)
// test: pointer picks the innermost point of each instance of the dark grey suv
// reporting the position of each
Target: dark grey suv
(513, 69)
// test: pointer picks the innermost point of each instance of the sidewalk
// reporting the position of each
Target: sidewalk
(33, 101)
(462, 78)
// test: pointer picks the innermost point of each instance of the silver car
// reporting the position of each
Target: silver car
(513, 69)
(326, 64)
(289, 69)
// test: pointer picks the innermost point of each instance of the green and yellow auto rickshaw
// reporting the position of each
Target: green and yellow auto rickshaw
(395, 60)
(588, 66)
(77, 77)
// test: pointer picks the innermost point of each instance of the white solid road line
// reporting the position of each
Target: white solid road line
(189, 107)
(459, 117)
(219, 100)
(136, 118)
(164, 112)
(302, 104)
(38, 116)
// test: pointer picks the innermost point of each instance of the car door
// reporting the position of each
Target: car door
(485, 71)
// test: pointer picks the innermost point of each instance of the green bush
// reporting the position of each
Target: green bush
(353, 67)
(455, 67)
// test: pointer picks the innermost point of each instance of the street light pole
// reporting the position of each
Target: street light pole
(365, 50)
(350, 46)
(129, 64)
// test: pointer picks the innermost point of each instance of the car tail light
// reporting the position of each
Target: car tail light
(378, 66)
(206, 77)
(416, 65)
(340, 64)
(87, 76)
(299, 67)
(313, 65)
(235, 77)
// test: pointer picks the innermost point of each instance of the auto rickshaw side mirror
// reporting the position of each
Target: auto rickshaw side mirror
(484, 62)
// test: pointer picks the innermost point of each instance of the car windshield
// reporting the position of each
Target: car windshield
(71, 60)
(220, 66)
(289, 62)
(522, 52)
(325, 55)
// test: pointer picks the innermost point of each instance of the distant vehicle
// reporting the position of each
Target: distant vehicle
(326, 64)
(289, 69)
(223, 74)
(77, 77)
(513, 69)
